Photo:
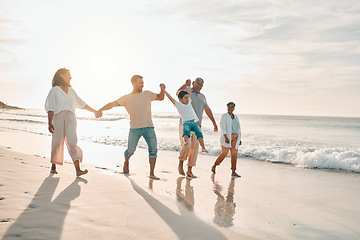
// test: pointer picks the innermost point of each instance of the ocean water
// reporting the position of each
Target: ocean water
(331, 143)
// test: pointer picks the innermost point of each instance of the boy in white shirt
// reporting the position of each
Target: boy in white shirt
(188, 116)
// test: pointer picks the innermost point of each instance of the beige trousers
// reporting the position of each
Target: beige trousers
(190, 150)
(64, 131)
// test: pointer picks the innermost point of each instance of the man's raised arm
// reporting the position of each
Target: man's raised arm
(161, 95)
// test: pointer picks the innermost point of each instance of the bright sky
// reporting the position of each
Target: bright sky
(269, 57)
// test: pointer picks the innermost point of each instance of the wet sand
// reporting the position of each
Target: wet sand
(269, 201)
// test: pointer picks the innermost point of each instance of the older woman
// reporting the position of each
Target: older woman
(60, 106)
(230, 138)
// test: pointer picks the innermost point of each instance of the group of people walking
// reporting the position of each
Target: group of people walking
(62, 101)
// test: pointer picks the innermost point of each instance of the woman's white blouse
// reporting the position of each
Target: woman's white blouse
(226, 128)
(57, 100)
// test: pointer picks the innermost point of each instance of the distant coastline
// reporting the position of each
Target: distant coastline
(5, 106)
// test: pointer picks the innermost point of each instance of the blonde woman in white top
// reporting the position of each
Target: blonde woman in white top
(60, 106)
(230, 138)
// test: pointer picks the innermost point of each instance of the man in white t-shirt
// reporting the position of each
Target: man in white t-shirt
(138, 105)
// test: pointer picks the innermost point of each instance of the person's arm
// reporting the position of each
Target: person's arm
(90, 109)
(239, 130)
(50, 118)
(211, 117)
(161, 95)
(108, 106)
(223, 128)
(184, 86)
(188, 85)
(226, 139)
(167, 94)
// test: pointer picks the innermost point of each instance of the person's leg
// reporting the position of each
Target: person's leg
(74, 150)
(186, 139)
(57, 142)
(220, 158)
(79, 172)
(194, 149)
(152, 162)
(184, 152)
(53, 169)
(202, 144)
(186, 132)
(196, 129)
(234, 153)
(133, 139)
(150, 138)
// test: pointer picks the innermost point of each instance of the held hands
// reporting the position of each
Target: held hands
(98, 114)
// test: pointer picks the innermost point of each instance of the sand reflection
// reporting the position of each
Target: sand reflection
(224, 209)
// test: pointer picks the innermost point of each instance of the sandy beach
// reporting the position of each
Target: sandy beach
(269, 201)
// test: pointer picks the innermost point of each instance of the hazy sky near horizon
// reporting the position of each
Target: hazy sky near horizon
(269, 57)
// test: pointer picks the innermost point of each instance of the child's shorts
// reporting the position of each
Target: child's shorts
(189, 126)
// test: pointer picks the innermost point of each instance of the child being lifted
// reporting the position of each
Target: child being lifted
(188, 115)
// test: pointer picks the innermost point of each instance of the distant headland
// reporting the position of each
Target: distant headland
(5, 106)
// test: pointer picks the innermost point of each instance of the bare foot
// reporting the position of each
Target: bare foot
(190, 175)
(79, 173)
(204, 150)
(154, 177)
(235, 175)
(213, 168)
(126, 167)
(53, 171)
(181, 171)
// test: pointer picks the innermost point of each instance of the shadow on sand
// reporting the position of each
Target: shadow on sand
(43, 218)
(186, 225)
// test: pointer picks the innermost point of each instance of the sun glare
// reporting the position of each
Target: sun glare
(103, 66)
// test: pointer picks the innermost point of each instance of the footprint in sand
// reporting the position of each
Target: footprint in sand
(2, 198)
(4, 220)
(30, 207)
(102, 168)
